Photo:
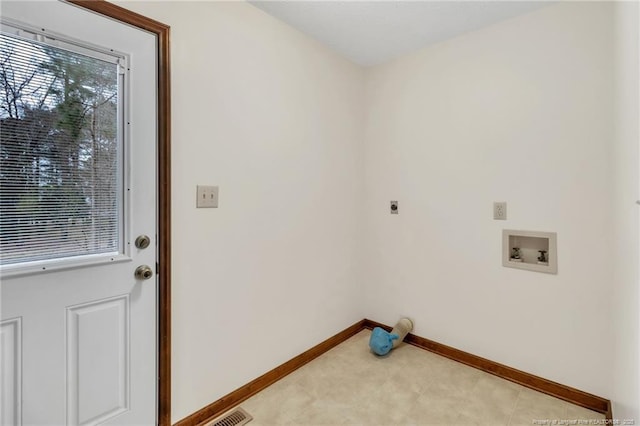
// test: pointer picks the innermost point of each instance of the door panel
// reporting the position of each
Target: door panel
(97, 335)
(10, 371)
(80, 339)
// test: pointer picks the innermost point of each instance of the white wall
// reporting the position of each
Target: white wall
(303, 244)
(275, 120)
(517, 112)
(626, 190)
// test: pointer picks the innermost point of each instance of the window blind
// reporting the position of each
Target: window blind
(60, 193)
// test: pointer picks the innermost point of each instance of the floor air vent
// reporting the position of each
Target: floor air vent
(237, 417)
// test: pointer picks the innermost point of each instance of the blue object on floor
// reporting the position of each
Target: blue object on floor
(381, 341)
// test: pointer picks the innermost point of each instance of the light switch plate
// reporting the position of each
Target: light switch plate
(500, 210)
(207, 196)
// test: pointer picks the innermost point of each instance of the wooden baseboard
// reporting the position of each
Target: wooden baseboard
(609, 414)
(539, 384)
(218, 407)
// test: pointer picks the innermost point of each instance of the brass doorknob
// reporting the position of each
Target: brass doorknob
(143, 272)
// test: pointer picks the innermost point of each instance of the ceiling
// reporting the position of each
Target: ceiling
(372, 32)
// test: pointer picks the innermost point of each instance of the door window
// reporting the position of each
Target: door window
(61, 156)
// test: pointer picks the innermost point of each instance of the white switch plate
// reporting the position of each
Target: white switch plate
(207, 196)
(500, 210)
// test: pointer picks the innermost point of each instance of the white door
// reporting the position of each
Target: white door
(77, 186)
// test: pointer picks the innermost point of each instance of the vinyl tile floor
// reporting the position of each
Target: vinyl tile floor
(348, 385)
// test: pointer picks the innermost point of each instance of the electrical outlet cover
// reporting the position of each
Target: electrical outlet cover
(500, 210)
